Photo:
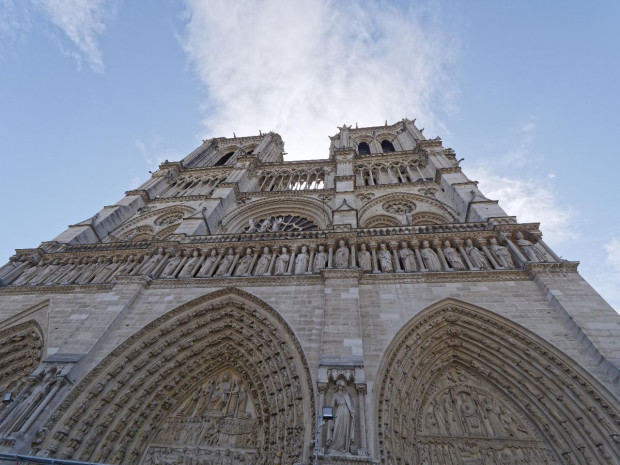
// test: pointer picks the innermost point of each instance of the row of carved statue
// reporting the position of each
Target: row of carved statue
(389, 257)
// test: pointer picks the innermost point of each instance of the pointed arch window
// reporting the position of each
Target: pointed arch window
(363, 148)
(222, 161)
(387, 146)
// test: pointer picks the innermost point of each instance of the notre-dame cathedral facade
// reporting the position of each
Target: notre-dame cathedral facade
(210, 316)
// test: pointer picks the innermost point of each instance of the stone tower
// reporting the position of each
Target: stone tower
(210, 315)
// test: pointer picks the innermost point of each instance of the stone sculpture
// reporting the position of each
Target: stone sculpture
(171, 266)
(407, 256)
(342, 256)
(532, 253)
(453, 257)
(225, 264)
(149, 265)
(207, 265)
(244, 264)
(282, 262)
(301, 261)
(385, 259)
(431, 261)
(262, 267)
(188, 268)
(501, 254)
(341, 433)
(477, 258)
(364, 258)
(320, 260)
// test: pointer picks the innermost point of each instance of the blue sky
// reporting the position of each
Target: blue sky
(93, 94)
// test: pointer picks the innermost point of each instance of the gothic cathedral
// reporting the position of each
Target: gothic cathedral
(370, 308)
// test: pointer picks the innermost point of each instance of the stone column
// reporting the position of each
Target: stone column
(489, 255)
(352, 253)
(442, 259)
(217, 262)
(373, 253)
(330, 254)
(361, 401)
(291, 262)
(309, 270)
(416, 250)
(459, 245)
(251, 267)
(231, 270)
(516, 252)
(396, 259)
(274, 252)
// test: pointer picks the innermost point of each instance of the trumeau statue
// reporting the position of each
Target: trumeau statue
(282, 262)
(407, 256)
(501, 254)
(478, 260)
(301, 261)
(341, 259)
(262, 266)
(385, 259)
(532, 253)
(453, 257)
(364, 258)
(320, 259)
(431, 261)
(244, 264)
(341, 432)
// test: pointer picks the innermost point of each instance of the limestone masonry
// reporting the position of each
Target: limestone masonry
(209, 316)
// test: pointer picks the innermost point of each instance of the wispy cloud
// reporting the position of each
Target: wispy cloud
(14, 22)
(301, 68)
(530, 200)
(83, 22)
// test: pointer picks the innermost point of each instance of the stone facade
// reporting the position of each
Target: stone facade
(210, 315)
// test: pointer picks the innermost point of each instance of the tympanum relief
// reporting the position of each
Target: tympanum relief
(216, 425)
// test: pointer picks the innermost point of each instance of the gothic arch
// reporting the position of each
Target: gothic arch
(307, 207)
(118, 410)
(460, 384)
(158, 218)
(418, 203)
(426, 218)
(381, 221)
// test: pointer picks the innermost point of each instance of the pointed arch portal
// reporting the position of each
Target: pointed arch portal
(460, 385)
(221, 379)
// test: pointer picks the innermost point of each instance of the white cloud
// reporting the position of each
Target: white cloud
(530, 200)
(14, 21)
(301, 67)
(82, 21)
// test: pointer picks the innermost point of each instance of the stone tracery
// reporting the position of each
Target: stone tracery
(457, 372)
(228, 333)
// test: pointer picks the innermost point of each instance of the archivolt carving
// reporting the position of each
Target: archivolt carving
(312, 209)
(190, 359)
(381, 221)
(159, 218)
(421, 201)
(427, 218)
(21, 350)
(462, 385)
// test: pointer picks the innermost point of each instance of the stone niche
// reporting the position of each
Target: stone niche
(215, 425)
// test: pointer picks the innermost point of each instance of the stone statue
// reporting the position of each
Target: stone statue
(88, 273)
(49, 270)
(207, 264)
(301, 262)
(244, 263)
(342, 256)
(106, 271)
(341, 433)
(251, 225)
(320, 260)
(477, 258)
(532, 253)
(263, 263)
(186, 271)
(81, 264)
(172, 264)
(282, 262)
(431, 261)
(225, 263)
(149, 265)
(264, 227)
(385, 259)
(364, 258)
(127, 267)
(407, 256)
(453, 257)
(501, 254)
(277, 224)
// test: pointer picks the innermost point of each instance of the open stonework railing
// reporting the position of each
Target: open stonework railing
(414, 249)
